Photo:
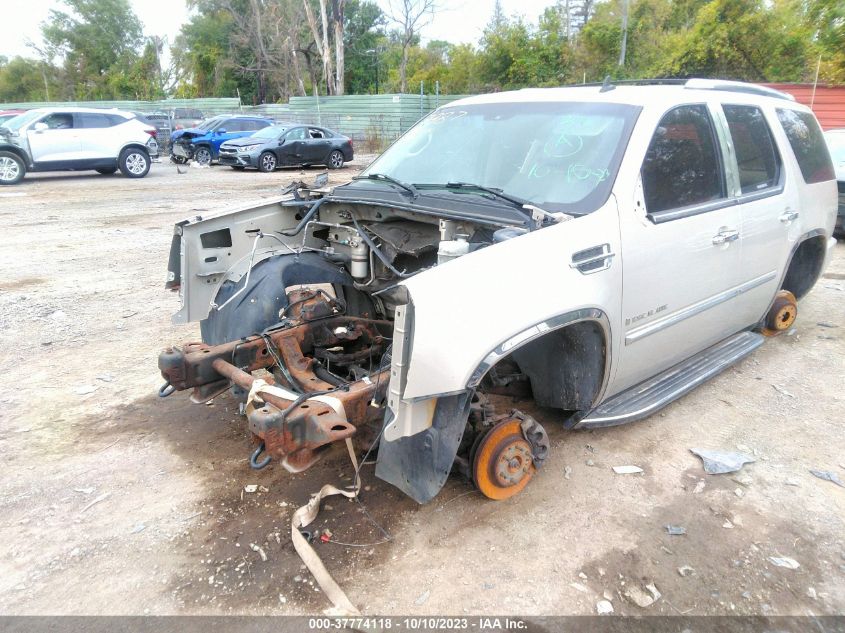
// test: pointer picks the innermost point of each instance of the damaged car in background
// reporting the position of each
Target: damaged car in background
(486, 252)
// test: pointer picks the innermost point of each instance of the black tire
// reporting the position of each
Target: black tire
(237, 167)
(335, 160)
(106, 171)
(134, 162)
(267, 162)
(12, 168)
(202, 155)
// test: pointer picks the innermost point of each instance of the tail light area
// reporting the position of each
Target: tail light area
(151, 131)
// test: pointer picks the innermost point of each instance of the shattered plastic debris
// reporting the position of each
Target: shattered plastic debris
(720, 462)
(676, 530)
(686, 570)
(259, 550)
(784, 561)
(422, 598)
(828, 476)
(640, 597)
(627, 470)
(251, 488)
(783, 391)
(84, 390)
(604, 607)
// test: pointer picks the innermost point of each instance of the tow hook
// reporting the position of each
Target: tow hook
(165, 390)
(253, 458)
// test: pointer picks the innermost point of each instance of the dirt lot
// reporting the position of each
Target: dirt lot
(113, 501)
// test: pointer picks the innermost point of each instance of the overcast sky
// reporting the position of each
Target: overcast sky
(463, 21)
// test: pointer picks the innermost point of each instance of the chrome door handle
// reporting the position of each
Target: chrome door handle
(789, 216)
(725, 236)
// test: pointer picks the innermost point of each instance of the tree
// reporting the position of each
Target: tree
(96, 39)
(410, 16)
(23, 79)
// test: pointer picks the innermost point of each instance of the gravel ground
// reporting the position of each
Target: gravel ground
(116, 502)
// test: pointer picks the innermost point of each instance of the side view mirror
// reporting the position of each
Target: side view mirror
(221, 131)
(40, 126)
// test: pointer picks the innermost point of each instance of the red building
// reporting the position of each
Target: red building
(828, 103)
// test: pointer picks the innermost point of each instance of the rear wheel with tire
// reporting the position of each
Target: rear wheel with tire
(335, 160)
(134, 162)
(106, 171)
(12, 168)
(267, 162)
(203, 156)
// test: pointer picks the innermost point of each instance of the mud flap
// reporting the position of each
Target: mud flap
(420, 464)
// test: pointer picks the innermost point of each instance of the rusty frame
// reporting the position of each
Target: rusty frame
(291, 430)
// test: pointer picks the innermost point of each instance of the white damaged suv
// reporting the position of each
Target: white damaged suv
(75, 139)
(600, 249)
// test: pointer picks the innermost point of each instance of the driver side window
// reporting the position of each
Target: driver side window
(58, 121)
(296, 135)
(682, 166)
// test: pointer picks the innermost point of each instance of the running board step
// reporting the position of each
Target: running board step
(650, 396)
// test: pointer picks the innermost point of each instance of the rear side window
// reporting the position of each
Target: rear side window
(756, 155)
(808, 145)
(682, 166)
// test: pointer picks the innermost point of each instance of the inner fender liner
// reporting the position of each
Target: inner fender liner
(420, 464)
(257, 308)
(565, 367)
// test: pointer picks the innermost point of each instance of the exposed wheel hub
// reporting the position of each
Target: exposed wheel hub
(503, 460)
(782, 314)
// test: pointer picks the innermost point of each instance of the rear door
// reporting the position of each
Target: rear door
(58, 143)
(768, 203)
(96, 134)
(317, 145)
(681, 248)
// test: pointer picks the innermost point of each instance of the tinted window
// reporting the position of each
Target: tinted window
(259, 124)
(756, 155)
(58, 121)
(90, 120)
(231, 125)
(682, 166)
(808, 145)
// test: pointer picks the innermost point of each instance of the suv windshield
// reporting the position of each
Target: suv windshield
(210, 124)
(15, 123)
(560, 156)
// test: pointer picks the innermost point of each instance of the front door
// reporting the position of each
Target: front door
(681, 249)
(55, 144)
(293, 147)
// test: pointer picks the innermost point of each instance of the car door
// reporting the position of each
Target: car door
(293, 148)
(228, 129)
(768, 202)
(53, 140)
(680, 248)
(96, 138)
(316, 145)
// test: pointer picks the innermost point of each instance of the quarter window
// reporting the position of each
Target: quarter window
(756, 155)
(682, 166)
(808, 145)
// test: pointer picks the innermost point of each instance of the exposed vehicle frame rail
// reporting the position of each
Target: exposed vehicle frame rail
(292, 417)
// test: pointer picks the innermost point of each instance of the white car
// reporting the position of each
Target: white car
(61, 139)
(600, 249)
(836, 144)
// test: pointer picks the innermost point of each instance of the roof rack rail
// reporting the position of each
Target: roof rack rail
(737, 86)
(698, 84)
